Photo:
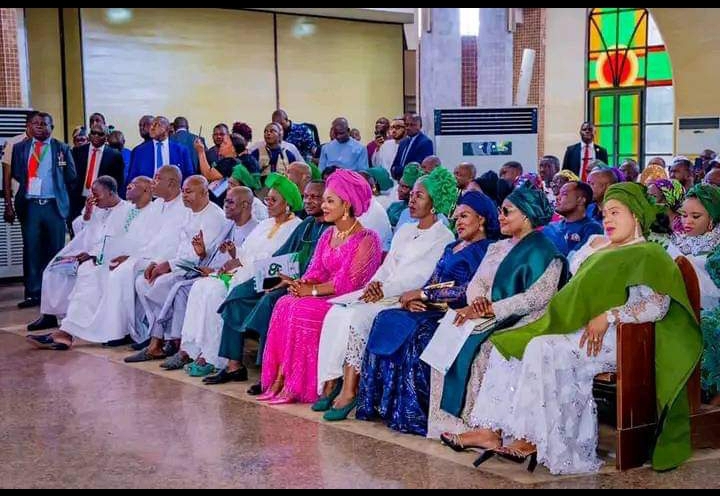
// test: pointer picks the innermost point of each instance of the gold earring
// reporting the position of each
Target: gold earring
(345, 214)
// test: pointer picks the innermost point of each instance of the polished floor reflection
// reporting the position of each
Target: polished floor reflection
(83, 419)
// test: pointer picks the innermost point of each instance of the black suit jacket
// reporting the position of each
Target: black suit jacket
(111, 164)
(572, 160)
(63, 174)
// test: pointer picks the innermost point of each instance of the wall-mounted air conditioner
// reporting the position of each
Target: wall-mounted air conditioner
(695, 134)
(487, 137)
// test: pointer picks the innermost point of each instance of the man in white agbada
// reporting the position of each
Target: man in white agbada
(376, 218)
(203, 325)
(86, 312)
(160, 233)
(218, 256)
(413, 255)
(202, 219)
(90, 229)
(104, 215)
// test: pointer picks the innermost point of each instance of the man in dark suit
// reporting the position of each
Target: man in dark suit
(92, 161)
(218, 136)
(579, 156)
(413, 148)
(149, 156)
(183, 136)
(45, 171)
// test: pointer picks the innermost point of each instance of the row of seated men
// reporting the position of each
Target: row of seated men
(374, 329)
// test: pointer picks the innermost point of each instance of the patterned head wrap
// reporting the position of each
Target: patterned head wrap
(442, 188)
(569, 175)
(651, 173)
(672, 191)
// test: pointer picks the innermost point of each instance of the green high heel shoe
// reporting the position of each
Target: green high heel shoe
(335, 414)
(325, 402)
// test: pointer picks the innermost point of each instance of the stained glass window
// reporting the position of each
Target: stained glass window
(626, 63)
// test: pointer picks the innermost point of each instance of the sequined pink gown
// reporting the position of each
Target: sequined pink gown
(295, 325)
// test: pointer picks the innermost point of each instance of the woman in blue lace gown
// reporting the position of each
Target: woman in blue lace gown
(394, 383)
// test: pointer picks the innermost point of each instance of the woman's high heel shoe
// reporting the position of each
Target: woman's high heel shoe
(485, 456)
(519, 457)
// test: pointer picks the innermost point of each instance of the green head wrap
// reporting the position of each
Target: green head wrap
(315, 173)
(287, 189)
(709, 196)
(533, 203)
(411, 173)
(382, 178)
(240, 173)
(442, 188)
(634, 196)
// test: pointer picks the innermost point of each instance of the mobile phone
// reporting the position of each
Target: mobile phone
(271, 282)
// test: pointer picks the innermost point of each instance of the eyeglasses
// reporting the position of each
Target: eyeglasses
(505, 211)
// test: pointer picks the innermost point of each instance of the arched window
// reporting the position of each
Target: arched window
(629, 84)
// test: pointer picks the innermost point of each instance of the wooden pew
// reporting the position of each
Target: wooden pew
(636, 413)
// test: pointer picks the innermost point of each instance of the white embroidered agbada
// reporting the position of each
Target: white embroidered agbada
(89, 237)
(376, 218)
(151, 297)
(408, 265)
(202, 327)
(164, 223)
(89, 305)
(546, 398)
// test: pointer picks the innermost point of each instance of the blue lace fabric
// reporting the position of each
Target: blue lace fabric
(396, 388)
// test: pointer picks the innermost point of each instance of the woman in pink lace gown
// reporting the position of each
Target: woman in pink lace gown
(346, 257)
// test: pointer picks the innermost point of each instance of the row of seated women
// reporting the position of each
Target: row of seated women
(523, 388)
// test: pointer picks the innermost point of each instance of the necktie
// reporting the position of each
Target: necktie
(34, 162)
(91, 170)
(158, 155)
(585, 163)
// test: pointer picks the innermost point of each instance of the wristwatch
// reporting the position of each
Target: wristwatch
(314, 291)
(611, 317)
(423, 295)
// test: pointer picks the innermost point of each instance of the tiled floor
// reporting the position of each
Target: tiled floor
(83, 418)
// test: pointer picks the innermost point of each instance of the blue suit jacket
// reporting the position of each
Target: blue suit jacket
(142, 162)
(63, 174)
(421, 148)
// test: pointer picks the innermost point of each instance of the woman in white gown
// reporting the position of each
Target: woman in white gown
(537, 389)
(412, 257)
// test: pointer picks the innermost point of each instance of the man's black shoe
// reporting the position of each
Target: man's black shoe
(224, 376)
(29, 303)
(119, 342)
(140, 346)
(44, 322)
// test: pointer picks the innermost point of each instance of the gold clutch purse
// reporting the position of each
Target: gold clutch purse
(440, 306)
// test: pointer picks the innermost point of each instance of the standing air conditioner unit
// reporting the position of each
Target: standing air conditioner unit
(12, 123)
(695, 134)
(487, 137)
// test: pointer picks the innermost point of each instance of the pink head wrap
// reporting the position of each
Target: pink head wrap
(352, 188)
